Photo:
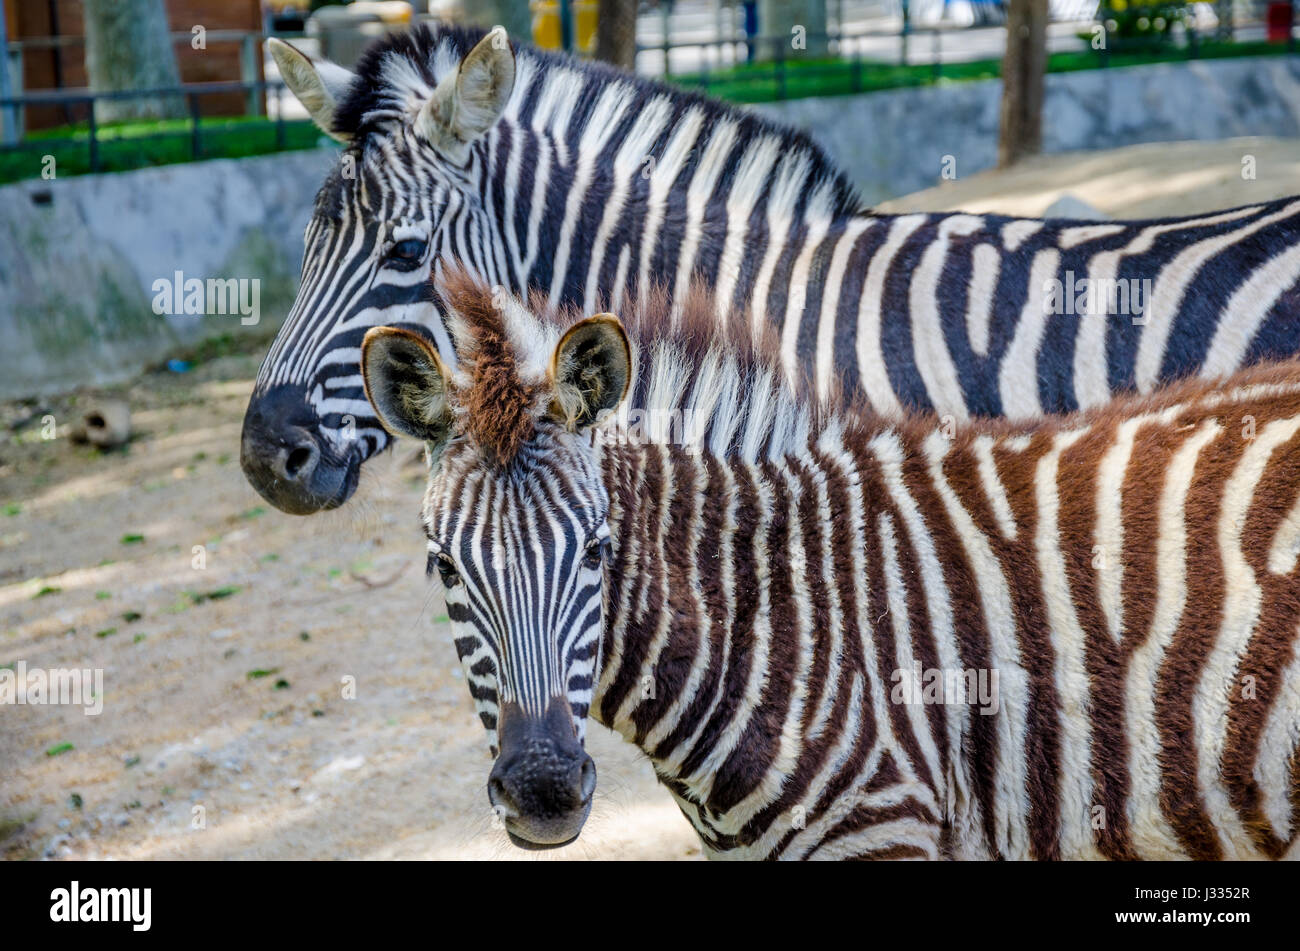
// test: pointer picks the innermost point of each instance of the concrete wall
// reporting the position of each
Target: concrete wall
(893, 143)
(79, 258)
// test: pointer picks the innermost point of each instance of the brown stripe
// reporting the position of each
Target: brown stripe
(1180, 797)
(680, 555)
(974, 641)
(754, 753)
(812, 752)
(1042, 752)
(875, 502)
(711, 556)
(1257, 688)
(750, 521)
(638, 628)
(1108, 739)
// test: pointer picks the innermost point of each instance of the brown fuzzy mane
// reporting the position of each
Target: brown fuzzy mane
(499, 407)
(501, 411)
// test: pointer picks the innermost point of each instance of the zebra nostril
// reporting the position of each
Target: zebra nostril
(588, 778)
(300, 462)
(498, 796)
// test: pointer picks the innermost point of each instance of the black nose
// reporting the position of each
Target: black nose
(542, 783)
(282, 456)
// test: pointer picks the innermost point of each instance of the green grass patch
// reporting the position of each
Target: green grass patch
(216, 594)
(131, 145)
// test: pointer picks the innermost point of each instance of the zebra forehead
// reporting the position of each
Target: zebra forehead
(499, 384)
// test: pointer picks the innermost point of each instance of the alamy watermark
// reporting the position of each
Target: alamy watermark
(58, 686)
(215, 296)
(935, 685)
(639, 426)
(1098, 297)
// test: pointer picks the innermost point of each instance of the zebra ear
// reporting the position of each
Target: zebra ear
(318, 86)
(469, 101)
(406, 383)
(590, 371)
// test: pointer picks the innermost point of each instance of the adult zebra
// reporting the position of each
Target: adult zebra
(585, 183)
(840, 636)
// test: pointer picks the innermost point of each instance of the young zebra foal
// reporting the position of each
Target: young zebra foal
(842, 636)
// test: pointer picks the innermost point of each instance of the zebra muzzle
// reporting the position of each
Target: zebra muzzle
(543, 780)
(285, 458)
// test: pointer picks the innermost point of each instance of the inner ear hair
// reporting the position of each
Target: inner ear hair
(591, 371)
(318, 85)
(406, 383)
(469, 100)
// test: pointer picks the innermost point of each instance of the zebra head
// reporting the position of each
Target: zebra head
(405, 191)
(516, 515)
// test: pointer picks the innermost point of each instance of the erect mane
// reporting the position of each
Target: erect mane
(697, 381)
(497, 407)
(399, 70)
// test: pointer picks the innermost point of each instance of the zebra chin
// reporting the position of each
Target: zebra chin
(285, 458)
(542, 782)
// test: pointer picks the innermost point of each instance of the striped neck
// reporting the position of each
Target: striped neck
(908, 640)
(585, 149)
(720, 666)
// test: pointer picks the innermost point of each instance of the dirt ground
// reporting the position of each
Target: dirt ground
(224, 685)
(225, 730)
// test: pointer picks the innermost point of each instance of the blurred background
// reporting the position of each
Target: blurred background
(152, 140)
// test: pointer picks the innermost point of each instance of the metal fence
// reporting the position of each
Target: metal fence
(908, 53)
(902, 38)
(91, 146)
(95, 138)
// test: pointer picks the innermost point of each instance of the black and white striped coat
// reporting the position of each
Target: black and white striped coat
(591, 186)
(840, 636)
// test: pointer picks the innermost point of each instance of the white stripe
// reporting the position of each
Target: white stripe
(1011, 797)
(1278, 746)
(1171, 287)
(871, 360)
(1109, 532)
(1070, 673)
(929, 341)
(1245, 311)
(1018, 371)
(1241, 604)
(1151, 833)
(984, 272)
(824, 365)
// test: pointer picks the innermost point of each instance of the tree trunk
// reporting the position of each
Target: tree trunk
(511, 14)
(128, 47)
(798, 27)
(616, 33)
(1023, 68)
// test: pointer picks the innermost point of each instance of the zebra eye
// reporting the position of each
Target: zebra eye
(593, 555)
(447, 568)
(406, 255)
